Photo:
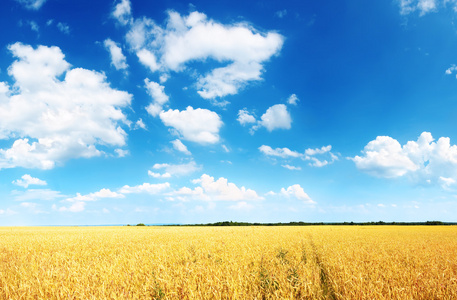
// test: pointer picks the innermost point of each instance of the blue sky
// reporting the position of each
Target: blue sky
(128, 111)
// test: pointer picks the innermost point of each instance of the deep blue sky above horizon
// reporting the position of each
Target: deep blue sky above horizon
(116, 112)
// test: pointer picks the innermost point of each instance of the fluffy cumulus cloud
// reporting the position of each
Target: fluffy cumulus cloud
(424, 6)
(27, 180)
(195, 38)
(118, 59)
(276, 117)
(245, 117)
(32, 4)
(293, 99)
(385, 157)
(295, 192)
(424, 160)
(221, 189)
(53, 112)
(159, 98)
(196, 125)
(214, 190)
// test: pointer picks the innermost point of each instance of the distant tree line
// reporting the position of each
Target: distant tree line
(231, 223)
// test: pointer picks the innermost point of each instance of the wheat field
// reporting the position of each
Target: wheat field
(310, 262)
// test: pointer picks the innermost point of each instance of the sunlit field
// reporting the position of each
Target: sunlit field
(311, 262)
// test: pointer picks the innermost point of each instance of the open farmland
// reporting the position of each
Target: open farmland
(312, 262)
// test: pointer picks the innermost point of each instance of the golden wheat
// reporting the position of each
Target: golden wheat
(327, 262)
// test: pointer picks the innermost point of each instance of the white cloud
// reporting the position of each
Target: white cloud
(118, 60)
(451, 69)
(309, 154)
(122, 12)
(214, 190)
(323, 151)
(28, 180)
(423, 6)
(446, 183)
(148, 59)
(297, 192)
(279, 152)
(106, 193)
(159, 98)
(103, 193)
(121, 152)
(140, 124)
(158, 175)
(221, 189)
(426, 6)
(422, 160)
(385, 157)
(64, 28)
(164, 77)
(4, 92)
(185, 39)
(276, 117)
(145, 188)
(32, 4)
(318, 163)
(57, 119)
(75, 207)
(177, 170)
(244, 117)
(195, 125)
(179, 146)
(184, 193)
(293, 99)
(292, 168)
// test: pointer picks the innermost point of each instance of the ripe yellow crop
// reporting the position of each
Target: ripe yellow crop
(326, 262)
